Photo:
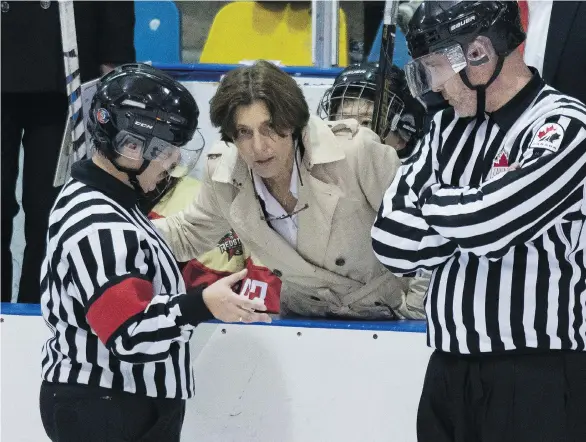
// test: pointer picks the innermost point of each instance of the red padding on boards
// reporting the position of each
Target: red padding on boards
(117, 304)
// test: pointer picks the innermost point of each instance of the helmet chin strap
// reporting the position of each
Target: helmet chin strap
(133, 176)
(481, 88)
(147, 201)
(132, 173)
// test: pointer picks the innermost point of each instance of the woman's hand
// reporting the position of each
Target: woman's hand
(228, 306)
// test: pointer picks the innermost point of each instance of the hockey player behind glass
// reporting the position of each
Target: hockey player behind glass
(118, 364)
(353, 94)
(492, 201)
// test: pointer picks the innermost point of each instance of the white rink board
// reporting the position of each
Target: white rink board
(268, 384)
(259, 383)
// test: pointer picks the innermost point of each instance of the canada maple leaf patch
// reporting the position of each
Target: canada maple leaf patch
(549, 137)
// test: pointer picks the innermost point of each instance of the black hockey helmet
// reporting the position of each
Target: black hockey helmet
(448, 27)
(404, 114)
(357, 81)
(439, 24)
(142, 113)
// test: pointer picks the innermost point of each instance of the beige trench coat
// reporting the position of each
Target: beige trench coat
(345, 172)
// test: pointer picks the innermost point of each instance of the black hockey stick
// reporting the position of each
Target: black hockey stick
(382, 101)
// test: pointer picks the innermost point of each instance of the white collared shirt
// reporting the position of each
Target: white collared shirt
(286, 227)
(538, 28)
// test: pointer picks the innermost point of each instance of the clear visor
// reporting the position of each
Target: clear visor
(177, 161)
(432, 71)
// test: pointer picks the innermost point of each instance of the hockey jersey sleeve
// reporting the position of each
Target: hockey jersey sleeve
(112, 272)
(224, 258)
(523, 203)
(198, 227)
(401, 238)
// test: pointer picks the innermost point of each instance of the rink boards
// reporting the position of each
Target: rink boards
(293, 381)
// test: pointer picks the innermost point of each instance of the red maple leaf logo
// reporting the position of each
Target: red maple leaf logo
(503, 161)
(547, 130)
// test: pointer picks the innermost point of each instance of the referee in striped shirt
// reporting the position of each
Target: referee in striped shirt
(117, 365)
(493, 202)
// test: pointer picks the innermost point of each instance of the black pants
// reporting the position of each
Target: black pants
(37, 120)
(537, 397)
(76, 413)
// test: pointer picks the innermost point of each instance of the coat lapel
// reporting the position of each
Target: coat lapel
(315, 223)
(247, 220)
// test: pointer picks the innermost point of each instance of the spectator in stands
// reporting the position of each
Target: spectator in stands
(353, 94)
(34, 110)
(301, 194)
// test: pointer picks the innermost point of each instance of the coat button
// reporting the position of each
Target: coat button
(5, 6)
(277, 273)
(340, 262)
(45, 4)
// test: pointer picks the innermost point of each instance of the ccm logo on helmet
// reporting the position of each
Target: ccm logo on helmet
(141, 124)
(463, 22)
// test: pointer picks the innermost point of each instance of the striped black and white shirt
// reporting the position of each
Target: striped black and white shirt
(506, 246)
(112, 294)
